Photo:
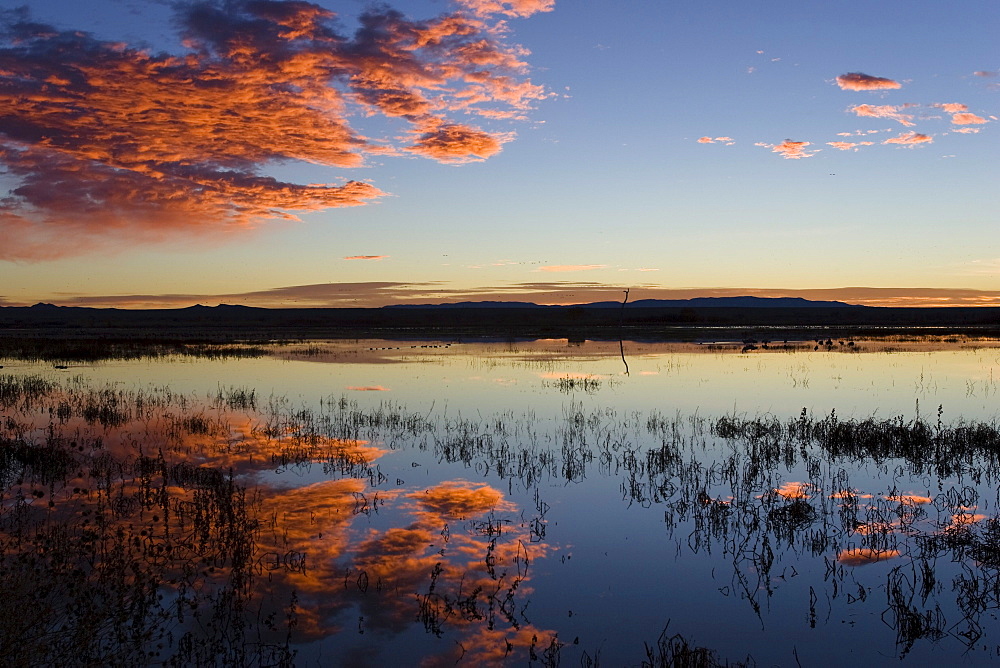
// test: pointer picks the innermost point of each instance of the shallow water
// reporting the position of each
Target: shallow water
(423, 503)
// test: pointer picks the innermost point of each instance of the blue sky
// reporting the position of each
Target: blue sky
(601, 182)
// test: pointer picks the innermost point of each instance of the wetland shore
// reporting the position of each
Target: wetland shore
(225, 323)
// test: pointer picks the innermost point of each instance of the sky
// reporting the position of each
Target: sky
(158, 154)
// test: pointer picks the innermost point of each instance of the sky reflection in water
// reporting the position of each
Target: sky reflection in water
(482, 503)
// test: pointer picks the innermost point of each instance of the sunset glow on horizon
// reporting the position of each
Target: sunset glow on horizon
(286, 153)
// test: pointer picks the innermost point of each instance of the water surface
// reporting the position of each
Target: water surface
(425, 503)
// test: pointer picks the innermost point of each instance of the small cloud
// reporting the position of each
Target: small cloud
(791, 150)
(967, 131)
(861, 81)
(728, 141)
(367, 388)
(571, 267)
(952, 107)
(910, 139)
(842, 145)
(457, 144)
(986, 73)
(967, 119)
(646, 269)
(366, 257)
(883, 111)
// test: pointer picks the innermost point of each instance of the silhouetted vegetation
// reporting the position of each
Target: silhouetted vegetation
(143, 527)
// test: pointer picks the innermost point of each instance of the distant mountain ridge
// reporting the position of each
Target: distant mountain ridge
(695, 302)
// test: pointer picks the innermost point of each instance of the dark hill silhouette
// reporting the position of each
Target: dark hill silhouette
(693, 319)
(698, 302)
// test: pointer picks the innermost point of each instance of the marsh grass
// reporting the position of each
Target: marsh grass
(111, 556)
(84, 350)
(130, 533)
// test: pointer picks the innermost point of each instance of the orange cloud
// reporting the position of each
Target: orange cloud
(366, 257)
(883, 111)
(110, 143)
(457, 143)
(860, 81)
(952, 107)
(792, 150)
(910, 139)
(967, 119)
(847, 145)
(509, 7)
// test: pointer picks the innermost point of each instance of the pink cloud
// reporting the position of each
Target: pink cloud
(883, 111)
(792, 150)
(367, 388)
(571, 267)
(728, 141)
(986, 73)
(509, 7)
(108, 144)
(860, 81)
(366, 257)
(952, 107)
(842, 145)
(967, 119)
(910, 139)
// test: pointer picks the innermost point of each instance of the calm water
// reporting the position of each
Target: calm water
(423, 503)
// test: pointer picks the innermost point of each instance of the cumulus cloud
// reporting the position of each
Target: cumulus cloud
(910, 139)
(860, 81)
(457, 143)
(792, 150)
(105, 141)
(967, 119)
(883, 111)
